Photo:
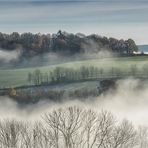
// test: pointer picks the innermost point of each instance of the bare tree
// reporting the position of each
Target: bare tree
(10, 134)
(96, 128)
(72, 127)
(123, 136)
(143, 137)
(105, 125)
(64, 123)
(52, 121)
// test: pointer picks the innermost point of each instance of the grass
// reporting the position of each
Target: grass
(15, 77)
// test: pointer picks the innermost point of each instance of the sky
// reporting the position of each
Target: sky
(112, 18)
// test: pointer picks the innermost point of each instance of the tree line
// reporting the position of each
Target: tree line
(73, 127)
(61, 74)
(63, 43)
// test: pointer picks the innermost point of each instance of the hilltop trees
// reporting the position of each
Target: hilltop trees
(63, 43)
(131, 46)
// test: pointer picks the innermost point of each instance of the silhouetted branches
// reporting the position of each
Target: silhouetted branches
(72, 127)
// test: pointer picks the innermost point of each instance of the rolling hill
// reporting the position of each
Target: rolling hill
(17, 77)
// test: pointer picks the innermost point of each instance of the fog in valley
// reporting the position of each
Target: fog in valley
(15, 58)
(117, 119)
(129, 101)
(9, 56)
(73, 74)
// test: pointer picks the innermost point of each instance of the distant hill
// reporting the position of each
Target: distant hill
(143, 48)
(30, 45)
(34, 49)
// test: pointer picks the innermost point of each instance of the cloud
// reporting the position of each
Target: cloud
(8, 56)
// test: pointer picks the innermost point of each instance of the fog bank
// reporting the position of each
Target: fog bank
(9, 56)
(130, 101)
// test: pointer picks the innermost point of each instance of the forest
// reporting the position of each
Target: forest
(64, 43)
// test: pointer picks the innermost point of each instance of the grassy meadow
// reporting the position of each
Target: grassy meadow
(17, 77)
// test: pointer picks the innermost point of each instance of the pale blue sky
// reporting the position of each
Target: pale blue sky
(116, 18)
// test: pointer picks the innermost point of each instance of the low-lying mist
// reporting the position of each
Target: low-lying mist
(130, 101)
(54, 58)
(9, 56)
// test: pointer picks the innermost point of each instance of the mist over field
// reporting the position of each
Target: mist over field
(9, 56)
(40, 113)
(117, 118)
(129, 101)
(55, 58)
(73, 74)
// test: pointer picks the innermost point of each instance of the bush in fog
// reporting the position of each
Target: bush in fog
(83, 93)
(73, 127)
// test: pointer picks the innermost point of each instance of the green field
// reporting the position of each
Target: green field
(16, 77)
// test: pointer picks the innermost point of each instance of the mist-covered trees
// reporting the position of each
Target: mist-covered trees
(73, 127)
(63, 43)
(60, 74)
(64, 75)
